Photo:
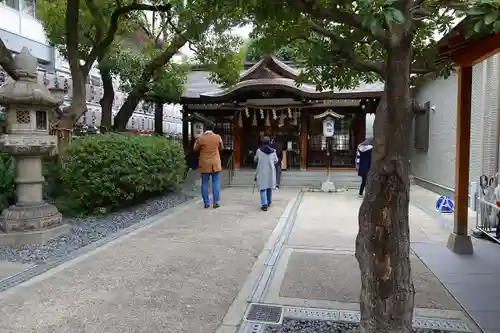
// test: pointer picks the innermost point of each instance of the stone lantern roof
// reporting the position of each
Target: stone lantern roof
(26, 90)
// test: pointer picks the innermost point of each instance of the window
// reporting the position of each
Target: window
(422, 115)
(28, 7)
(11, 3)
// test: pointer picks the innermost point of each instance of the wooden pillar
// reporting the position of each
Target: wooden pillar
(303, 140)
(237, 143)
(185, 130)
(361, 135)
(459, 240)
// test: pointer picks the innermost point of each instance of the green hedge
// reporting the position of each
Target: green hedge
(105, 171)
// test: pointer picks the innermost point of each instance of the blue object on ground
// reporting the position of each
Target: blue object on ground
(444, 204)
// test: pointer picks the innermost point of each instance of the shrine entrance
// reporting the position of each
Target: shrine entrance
(287, 135)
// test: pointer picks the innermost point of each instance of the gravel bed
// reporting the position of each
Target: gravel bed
(87, 230)
(323, 326)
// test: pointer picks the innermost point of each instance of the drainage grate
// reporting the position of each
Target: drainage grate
(443, 324)
(253, 328)
(266, 314)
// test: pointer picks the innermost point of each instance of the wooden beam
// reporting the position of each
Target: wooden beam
(185, 131)
(303, 140)
(479, 50)
(237, 143)
(464, 104)
(361, 130)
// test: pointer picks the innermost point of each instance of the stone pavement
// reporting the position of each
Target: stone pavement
(308, 268)
(179, 274)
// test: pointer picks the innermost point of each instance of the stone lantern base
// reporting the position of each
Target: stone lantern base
(31, 224)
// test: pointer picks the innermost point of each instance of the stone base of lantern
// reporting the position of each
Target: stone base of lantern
(31, 224)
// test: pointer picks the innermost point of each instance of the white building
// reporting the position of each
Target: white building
(19, 27)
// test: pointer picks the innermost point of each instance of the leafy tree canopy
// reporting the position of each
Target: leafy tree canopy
(95, 19)
(255, 51)
(342, 43)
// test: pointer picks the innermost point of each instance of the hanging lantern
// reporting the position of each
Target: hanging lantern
(274, 115)
(261, 114)
(289, 113)
(281, 123)
(247, 113)
(240, 119)
(267, 123)
(254, 120)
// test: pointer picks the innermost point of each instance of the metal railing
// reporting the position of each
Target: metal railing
(230, 167)
(487, 218)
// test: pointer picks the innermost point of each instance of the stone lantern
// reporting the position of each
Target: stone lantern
(29, 106)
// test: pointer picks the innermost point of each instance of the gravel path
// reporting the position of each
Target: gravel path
(323, 326)
(90, 229)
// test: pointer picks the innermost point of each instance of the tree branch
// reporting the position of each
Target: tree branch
(346, 49)
(94, 10)
(99, 50)
(7, 61)
(72, 40)
(316, 10)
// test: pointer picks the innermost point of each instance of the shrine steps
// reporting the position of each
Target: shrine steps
(301, 179)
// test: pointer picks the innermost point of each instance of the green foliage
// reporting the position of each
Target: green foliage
(7, 176)
(111, 170)
(169, 84)
(224, 58)
(255, 51)
(333, 52)
(53, 15)
(484, 16)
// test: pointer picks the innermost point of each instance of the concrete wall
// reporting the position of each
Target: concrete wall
(437, 164)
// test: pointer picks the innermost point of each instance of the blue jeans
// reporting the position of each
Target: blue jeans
(266, 197)
(205, 177)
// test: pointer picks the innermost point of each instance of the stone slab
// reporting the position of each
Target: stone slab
(336, 277)
(33, 237)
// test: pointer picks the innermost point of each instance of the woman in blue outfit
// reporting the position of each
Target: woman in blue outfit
(266, 159)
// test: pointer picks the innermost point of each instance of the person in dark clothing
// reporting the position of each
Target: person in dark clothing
(279, 152)
(364, 162)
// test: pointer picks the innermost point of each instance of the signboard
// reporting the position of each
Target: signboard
(197, 129)
(328, 127)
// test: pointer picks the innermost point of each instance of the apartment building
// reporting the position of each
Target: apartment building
(19, 27)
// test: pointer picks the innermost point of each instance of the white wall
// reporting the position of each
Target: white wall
(438, 163)
(21, 24)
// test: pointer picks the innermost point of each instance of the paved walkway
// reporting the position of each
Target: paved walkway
(179, 274)
(310, 270)
(199, 270)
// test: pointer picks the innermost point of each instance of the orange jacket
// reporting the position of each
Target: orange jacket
(209, 145)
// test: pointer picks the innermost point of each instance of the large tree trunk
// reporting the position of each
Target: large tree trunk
(158, 118)
(383, 244)
(107, 100)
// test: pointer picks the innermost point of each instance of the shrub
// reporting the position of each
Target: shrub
(7, 176)
(106, 171)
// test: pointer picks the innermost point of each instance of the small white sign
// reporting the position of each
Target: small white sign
(197, 129)
(289, 145)
(328, 127)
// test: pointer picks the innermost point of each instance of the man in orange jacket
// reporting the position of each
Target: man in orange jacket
(209, 145)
